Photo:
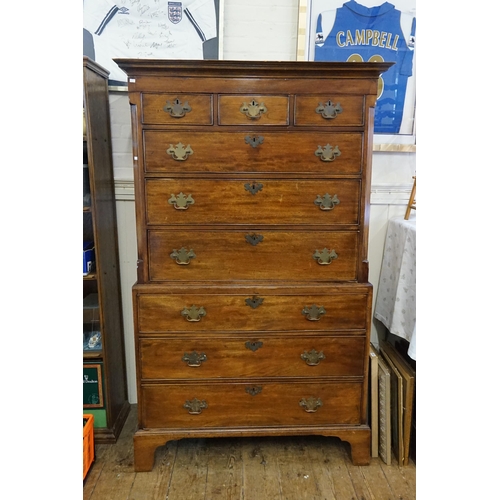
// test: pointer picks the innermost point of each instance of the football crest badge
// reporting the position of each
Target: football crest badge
(175, 12)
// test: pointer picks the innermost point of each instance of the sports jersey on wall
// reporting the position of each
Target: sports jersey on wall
(360, 33)
(148, 29)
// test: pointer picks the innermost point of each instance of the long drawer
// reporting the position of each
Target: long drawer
(185, 151)
(249, 255)
(264, 201)
(250, 404)
(251, 356)
(212, 311)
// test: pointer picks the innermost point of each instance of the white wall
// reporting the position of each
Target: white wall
(258, 30)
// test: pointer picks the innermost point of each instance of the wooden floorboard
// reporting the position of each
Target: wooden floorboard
(267, 468)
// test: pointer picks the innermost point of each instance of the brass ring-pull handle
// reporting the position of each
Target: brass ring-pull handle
(194, 359)
(183, 256)
(181, 201)
(253, 345)
(195, 406)
(311, 404)
(329, 110)
(313, 313)
(176, 109)
(254, 390)
(253, 109)
(326, 202)
(254, 239)
(254, 141)
(327, 153)
(312, 357)
(193, 313)
(254, 302)
(325, 256)
(180, 152)
(254, 187)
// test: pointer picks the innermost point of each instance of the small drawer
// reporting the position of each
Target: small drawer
(253, 403)
(333, 111)
(253, 110)
(177, 109)
(251, 356)
(253, 255)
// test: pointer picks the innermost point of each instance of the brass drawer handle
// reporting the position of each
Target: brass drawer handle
(194, 359)
(254, 239)
(314, 313)
(254, 302)
(180, 152)
(253, 391)
(254, 187)
(253, 109)
(312, 357)
(183, 256)
(176, 109)
(328, 152)
(253, 345)
(254, 141)
(181, 201)
(195, 406)
(325, 256)
(193, 313)
(311, 404)
(326, 202)
(329, 110)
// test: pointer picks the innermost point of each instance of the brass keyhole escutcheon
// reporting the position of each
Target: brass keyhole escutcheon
(254, 390)
(254, 302)
(254, 239)
(254, 187)
(253, 109)
(254, 141)
(329, 110)
(253, 345)
(176, 109)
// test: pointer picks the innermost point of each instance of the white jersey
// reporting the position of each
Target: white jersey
(148, 29)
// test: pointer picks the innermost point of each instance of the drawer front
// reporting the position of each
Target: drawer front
(222, 357)
(185, 151)
(254, 404)
(253, 110)
(248, 201)
(333, 111)
(164, 312)
(177, 109)
(248, 255)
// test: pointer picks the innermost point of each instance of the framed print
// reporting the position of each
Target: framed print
(150, 29)
(368, 31)
(384, 415)
(92, 386)
(374, 405)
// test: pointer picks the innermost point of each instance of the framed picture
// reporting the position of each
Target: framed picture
(374, 404)
(384, 414)
(92, 386)
(368, 31)
(150, 29)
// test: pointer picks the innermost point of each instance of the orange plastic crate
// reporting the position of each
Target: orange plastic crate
(88, 442)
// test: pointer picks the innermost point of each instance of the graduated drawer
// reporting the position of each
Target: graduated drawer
(324, 111)
(251, 356)
(248, 201)
(250, 404)
(204, 312)
(185, 151)
(253, 110)
(177, 109)
(252, 255)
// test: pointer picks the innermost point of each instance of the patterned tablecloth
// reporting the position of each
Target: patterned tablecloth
(395, 305)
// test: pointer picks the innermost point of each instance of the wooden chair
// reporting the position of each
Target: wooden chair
(412, 202)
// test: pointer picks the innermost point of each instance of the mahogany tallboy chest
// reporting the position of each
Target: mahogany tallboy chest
(252, 307)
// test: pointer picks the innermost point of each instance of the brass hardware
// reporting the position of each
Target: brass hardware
(180, 152)
(176, 109)
(253, 391)
(193, 313)
(195, 406)
(314, 313)
(324, 257)
(326, 202)
(181, 201)
(254, 302)
(329, 110)
(253, 109)
(311, 404)
(313, 357)
(194, 359)
(253, 345)
(253, 188)
(327, 153)
(182, 256)
(254, 239)
(254, 141)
